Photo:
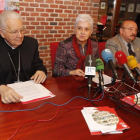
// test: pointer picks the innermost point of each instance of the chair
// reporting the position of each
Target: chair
(53, 48)
(101, 48)
(103, 21)
(101, 26)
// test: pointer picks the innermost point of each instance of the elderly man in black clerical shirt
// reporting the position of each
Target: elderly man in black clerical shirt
(19, 56)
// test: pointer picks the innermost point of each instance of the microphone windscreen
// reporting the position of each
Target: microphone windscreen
(120, 57)
(90, 61)
(99, 64)
(132, 62)
(107, 55)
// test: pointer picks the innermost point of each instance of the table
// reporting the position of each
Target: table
(68, 124)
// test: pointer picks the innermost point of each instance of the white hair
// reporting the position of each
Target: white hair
(83, 18)
(5, 15)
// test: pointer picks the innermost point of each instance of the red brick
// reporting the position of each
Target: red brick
(86, 0)
(29, 9)
(53, 6)
(71, 7)
(35, 31)
(75, 3)
(30, 18)
(63, 7)
(34, 23)
(49, 27)
(28, 0)
(58, 2)
(58, 11)
(34, 14)
(44, 5)
(24, 14)
(44, 32)
(40, 19)
(58, 27)
(39, 10)
(83, 4)
(58, 19)
(44, 23)
(34, 5)
(40, 27)
(62, 23)
(24, 4)
(61, 31)
(48, 35)
(57, 35)
(30, 27)
(44, 14)
(54, 15)
(67, 2)
(49, 10)
(40, 36)
(63, 15)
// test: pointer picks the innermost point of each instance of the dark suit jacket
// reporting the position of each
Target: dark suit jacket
(29, 59)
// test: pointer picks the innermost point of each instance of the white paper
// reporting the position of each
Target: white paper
(31, 91)
(107, 79)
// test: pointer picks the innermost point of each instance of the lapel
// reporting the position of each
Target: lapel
(5, 61)
(122, 45)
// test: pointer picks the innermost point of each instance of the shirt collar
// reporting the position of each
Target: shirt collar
(9, 45)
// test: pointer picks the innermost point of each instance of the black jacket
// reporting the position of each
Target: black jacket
(29, 58)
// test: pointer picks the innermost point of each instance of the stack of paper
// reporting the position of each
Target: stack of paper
(31, 91)
(103, 120)
(132, 99)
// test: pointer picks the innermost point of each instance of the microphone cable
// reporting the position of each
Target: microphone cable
(120, 103)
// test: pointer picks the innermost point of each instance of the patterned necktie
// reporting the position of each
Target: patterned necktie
(130, 50)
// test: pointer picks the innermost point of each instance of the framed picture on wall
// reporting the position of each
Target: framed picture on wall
(131, 8)
(138, 8)
(9, 5)
(103, 4)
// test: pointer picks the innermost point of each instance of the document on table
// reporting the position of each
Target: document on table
(107, 79)
(31, 91)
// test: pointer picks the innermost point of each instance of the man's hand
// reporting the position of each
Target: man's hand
(78, 72)
(8, 95)
(39, 77)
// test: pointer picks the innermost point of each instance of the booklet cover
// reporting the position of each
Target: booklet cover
(103, 120)
(132, 99)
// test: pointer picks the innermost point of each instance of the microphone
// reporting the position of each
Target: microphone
(89, 70)
(100, 68)
(108, 58)
(133, 64)
(121, 59)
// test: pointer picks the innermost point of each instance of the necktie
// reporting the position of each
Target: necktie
(130, 50)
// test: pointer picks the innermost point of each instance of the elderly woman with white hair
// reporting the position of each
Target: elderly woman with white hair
(71, 53)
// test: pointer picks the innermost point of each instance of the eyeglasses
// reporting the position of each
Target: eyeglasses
(131, 29)
(15, 33)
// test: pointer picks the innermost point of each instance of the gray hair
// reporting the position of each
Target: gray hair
(83, 18)
(5, 15)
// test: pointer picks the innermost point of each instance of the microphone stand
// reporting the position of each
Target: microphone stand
(123, 76)
(113, 80)
(89, 85)
(136, 77)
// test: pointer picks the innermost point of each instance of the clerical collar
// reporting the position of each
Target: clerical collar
(9, 45)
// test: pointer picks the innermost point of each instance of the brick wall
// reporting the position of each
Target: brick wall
(53, 20)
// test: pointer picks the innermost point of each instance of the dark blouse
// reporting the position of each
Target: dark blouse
(66, 59)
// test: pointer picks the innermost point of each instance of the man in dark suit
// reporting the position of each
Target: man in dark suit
(19, 56)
